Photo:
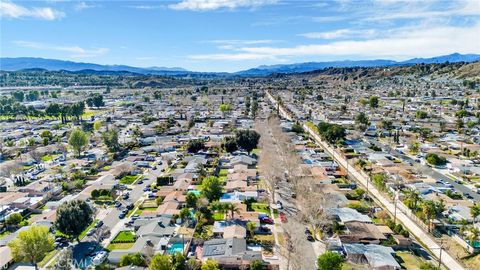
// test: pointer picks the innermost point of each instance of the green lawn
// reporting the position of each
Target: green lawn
(3, 234)
(256, 151)
(410, 261)
(27, 167)
(222, 179)
(120, 246)
(47, 258)
(223, 172)
(140, 210)
(124, 237)
(91, 113)
(217, 216)
(48, 158)
(82, 235)
(261, 208)
(275, 213)
(128, 179)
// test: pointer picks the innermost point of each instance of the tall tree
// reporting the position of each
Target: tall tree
(330, 261)
(32, 245)
(73, 217)
(161, 262)
(225, 108)
(194, 146)
(110, 139)
(247, 139)
(64, 261)
(78, 140)
(256, 265)
(373, 102)
(133, 259)
(210, 264)
(212, 188)
(251, 228)
(475, 211)
(229, 144)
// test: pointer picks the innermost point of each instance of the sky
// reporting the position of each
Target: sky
(233, 35)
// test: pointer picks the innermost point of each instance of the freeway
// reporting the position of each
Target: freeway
(426, 170)
(426, 239)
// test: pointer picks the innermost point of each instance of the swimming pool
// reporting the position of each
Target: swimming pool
(195, 191)
(175, 247)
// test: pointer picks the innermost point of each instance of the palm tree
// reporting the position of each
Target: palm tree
(463, 226)
(219, 207)
(184, 214)
(412, 199)
(251, 227)
(428, 210)
(475, 211)
(232, 208)
(473, 235)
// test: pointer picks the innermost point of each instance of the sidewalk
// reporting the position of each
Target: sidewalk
(414, 228)
(417, 231)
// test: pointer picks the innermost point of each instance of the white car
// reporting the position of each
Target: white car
(100, 258)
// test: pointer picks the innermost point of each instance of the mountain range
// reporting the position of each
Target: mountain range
(22, 63)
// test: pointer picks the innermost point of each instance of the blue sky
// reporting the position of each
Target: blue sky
(231, 35)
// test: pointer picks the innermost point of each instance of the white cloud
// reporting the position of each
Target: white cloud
(146, 7)
(236, 42)
(423, 42)
(400, 44)
(75, 51)
(205, 5)
(418, 10)
(234, 57)
(340, 33)
(11, 10)
(83, 5)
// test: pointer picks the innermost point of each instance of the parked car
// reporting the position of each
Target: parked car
(100, 258)
(91, 232)
(263, 230)
(283, 218)
(99, 224)
(310, 238)
(121, 216)
(267, 220)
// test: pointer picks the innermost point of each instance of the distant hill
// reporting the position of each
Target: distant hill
(311, 66)
(21, 63)
(28, 63)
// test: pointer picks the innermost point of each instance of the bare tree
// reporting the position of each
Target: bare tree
(9, 168)
(36, 155)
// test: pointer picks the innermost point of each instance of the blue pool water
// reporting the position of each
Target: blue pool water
(175, 247)
(196, 192)
(226, 196)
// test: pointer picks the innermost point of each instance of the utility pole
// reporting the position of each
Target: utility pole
(440, 257)
(395, 204)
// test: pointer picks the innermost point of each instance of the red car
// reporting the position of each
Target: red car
(283, 218)
(267, 220)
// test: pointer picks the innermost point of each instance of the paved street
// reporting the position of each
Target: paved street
(426, 170)
(412, 226)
